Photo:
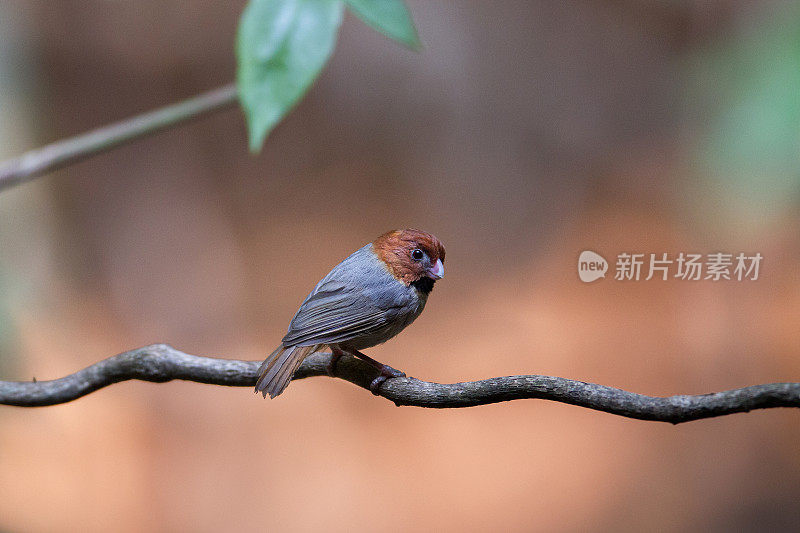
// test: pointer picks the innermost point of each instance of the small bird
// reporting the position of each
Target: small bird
(365, 300)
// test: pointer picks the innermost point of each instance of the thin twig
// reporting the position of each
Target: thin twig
(160, 362)
(61, 153)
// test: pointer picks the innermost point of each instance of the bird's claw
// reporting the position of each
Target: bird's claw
(386, 373)
(332, 363)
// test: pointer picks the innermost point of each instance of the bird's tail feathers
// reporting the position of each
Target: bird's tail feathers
(277, 370)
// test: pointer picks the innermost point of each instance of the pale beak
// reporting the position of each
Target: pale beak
(437, 270)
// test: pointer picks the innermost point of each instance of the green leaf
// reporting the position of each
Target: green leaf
(282, 46)
(390, 17)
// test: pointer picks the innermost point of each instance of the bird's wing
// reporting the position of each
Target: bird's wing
(335, 313)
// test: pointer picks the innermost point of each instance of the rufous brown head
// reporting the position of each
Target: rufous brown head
(411, 255)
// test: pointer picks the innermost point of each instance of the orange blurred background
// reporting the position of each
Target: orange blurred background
(523, 134)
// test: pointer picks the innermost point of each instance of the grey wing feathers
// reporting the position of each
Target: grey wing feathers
(350, 301)
(333, 317)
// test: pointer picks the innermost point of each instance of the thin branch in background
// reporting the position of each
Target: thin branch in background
(61, 153)
(160, 363)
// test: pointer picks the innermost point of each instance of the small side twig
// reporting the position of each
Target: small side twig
(160, 363)
(61, 153)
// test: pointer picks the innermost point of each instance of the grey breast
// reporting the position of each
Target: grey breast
(358, 304)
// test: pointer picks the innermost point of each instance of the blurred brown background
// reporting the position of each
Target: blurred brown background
(524, 133)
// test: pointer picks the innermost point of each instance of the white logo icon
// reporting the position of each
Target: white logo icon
(591, 266)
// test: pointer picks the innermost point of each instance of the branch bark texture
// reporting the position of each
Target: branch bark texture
(61, 153)
(160, 363)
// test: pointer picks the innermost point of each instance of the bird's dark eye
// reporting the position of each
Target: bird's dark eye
(417, 254)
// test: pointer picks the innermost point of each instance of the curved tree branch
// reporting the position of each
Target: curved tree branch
(159, 363)
(61, 153)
